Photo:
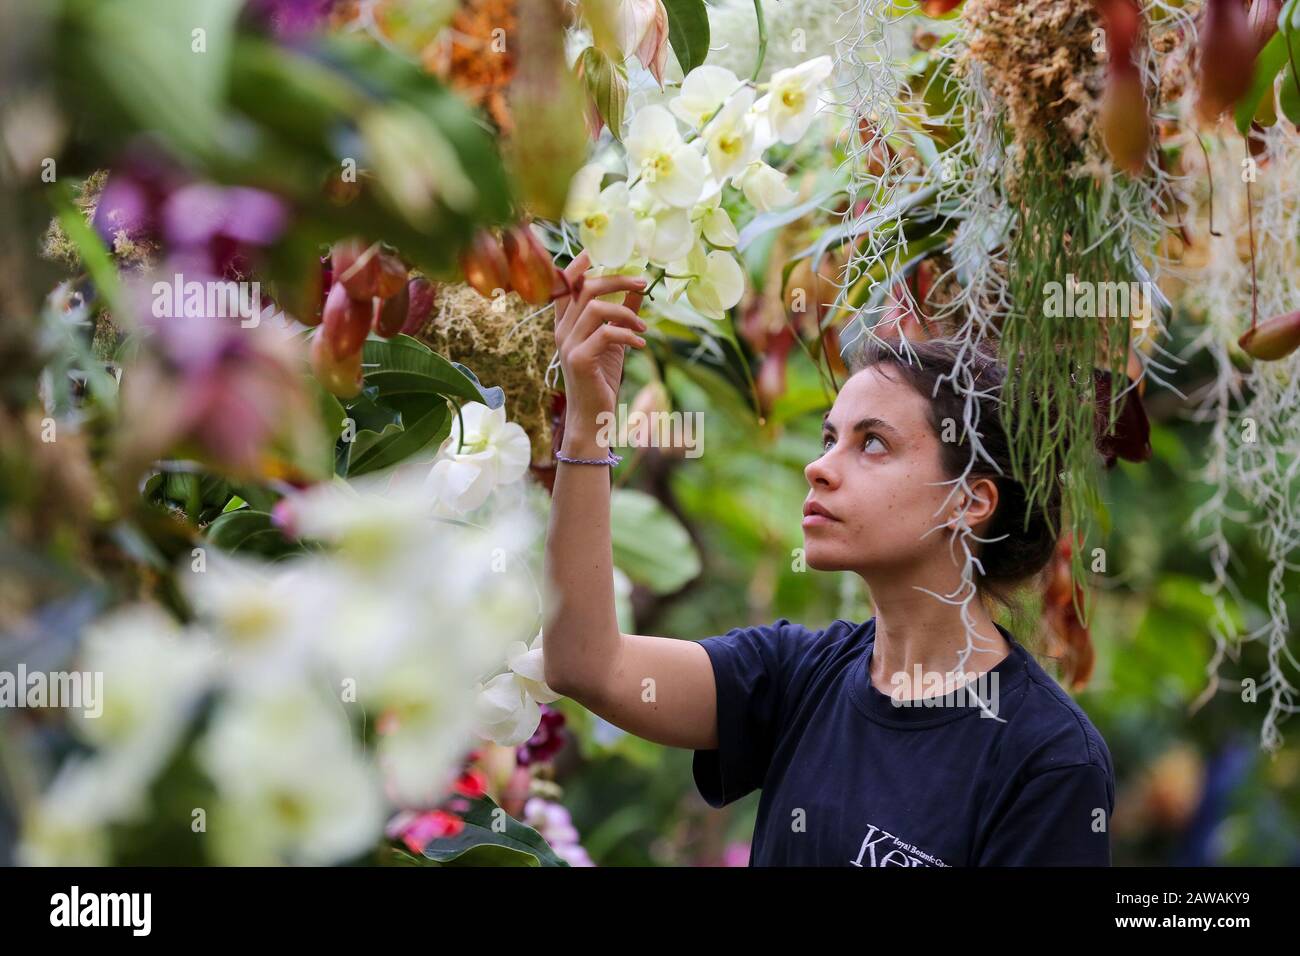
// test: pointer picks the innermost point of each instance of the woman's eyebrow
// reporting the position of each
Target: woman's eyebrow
(863, 425)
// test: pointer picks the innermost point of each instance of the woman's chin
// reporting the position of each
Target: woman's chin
(819, 558)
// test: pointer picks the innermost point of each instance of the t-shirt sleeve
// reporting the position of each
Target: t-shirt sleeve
(754, 669)
(1061, 817)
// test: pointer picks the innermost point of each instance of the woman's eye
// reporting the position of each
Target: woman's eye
(873, 438)
(827, 440)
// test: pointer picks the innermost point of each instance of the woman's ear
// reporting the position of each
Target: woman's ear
(976, 508)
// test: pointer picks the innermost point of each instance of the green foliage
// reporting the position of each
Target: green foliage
(688, 32)
(649, 544)
(491, 837)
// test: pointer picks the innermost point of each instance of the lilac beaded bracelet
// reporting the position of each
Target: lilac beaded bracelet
(613, 459)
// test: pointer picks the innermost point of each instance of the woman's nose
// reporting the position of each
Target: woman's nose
(820, 471)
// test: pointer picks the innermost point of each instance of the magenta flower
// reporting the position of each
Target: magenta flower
(546, 740)
(289, 19)
(552, 821)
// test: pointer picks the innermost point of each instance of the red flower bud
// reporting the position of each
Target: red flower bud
(1227, 58)
(356, 267)
(937, 8)
(390, 317)
(392, 275)
(422, 295)
(340, 376)
(484, 265)
(346, 321)
(1274, 338)
(532, 271)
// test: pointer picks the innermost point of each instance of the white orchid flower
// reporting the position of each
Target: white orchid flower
(663, 233)
(507, 711)
(528, 665)
(673, 169)
(713, 281)
(713, 222)
(790, 103)
(153, 674)
(504, 712)
(605, 223)
(495, 452)
(765, 187)
(374, 520)
(704, 89)
(729, 136)
(293, 786)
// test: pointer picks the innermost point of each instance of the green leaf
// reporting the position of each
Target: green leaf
(394, 444)
(406, 366)
(688, 32)
(649, 543)
(166, 63)
(1288, 99)
(510, 843)
(493, 397)
(1270, 60)
(607, 87)
(249, 531)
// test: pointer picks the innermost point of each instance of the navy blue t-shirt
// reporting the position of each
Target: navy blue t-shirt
(849, 778)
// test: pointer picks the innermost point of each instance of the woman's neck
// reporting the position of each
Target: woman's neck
(917, 632)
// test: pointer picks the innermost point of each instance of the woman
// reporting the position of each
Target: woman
(858, 764)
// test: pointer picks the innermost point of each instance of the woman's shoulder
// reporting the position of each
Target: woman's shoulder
(1049, 730)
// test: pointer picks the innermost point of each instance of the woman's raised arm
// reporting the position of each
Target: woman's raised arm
(657, 688)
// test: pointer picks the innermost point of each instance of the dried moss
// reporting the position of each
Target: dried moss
(57, 246)
(506, 342)
(1038, 57)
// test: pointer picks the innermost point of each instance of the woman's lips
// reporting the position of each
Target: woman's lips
(816, 520)
(815, 515)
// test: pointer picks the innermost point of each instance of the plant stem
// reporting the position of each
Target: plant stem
(1254, 287)
(762, 39)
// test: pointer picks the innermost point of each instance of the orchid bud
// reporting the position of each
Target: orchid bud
(392, 275)
(1227, 58)
(484, 265)
(809, 294)
(1123, 115)
(421, 297)
(653, 48)
(390, 317)
(532, 271)
(356, 268)
(642, 27)
(346, 321)
(340, 376)
(1274, 338)
(1125, 127)
(937, 8)
(1262, 18)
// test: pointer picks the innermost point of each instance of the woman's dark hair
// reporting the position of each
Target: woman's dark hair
(1030, 536)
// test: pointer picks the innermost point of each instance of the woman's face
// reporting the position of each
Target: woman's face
(878, 476)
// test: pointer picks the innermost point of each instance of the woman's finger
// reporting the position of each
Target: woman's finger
(602, 339)
(593, 289)
(575, 269)
(574, 274)
(598, 313)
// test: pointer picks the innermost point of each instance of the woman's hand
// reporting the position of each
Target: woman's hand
(590, 335)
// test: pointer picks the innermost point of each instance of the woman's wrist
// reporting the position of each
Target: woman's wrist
(581, 439)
